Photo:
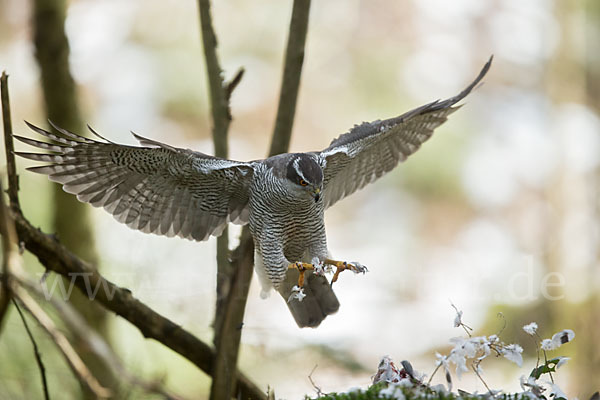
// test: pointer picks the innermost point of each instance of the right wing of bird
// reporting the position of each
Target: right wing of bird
(156, 189)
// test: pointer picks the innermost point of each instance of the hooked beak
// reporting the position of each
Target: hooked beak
(317, 194)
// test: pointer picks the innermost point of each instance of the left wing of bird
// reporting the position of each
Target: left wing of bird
(371, 149)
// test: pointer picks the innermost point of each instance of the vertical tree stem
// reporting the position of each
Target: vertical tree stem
(13, 188)
(13, 179)
(228, 346)
(221, 117)
(290, 83)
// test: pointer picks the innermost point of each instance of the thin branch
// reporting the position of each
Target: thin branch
(475, 368)
(77, 366)
(11, 261)
(4, 293)
(8, 230)
(93, 341)
(55, 257)
(13, 178)
(228, 342)
(220, 94)
(13, 188)
(233, 83)
(12, 265)
(36, 352)
(13, 270)
(290, 83)
(317, 388)
(10, 257)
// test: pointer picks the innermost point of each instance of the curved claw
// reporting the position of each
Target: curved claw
(340, 266)
(357, 267)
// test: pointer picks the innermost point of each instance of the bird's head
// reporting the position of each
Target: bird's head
(305, 174)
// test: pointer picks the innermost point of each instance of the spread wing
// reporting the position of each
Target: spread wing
(156, 189)
(372, 149)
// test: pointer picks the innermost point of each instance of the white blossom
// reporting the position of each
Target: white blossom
(562, 361)
(556, 392)
(530, 385)
(297, 293)
(558, 339)
(513, 352)
(531, 328)
(562, 337)
(486, 351)
(458, 319)
(548, 344)
(443, 361)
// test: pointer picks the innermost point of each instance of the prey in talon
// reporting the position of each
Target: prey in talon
(341, 266)
(160, 189)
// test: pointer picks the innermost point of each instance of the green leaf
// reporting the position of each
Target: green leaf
(549, 366)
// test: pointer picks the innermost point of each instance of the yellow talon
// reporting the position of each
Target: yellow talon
(342, 266)
(302, 268)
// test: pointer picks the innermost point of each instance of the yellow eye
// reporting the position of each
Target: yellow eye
(303, 182)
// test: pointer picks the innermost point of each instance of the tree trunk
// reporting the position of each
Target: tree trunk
(71, 219)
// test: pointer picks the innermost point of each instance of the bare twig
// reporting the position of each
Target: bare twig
(36, 352)
(13, 179)
(232, 84)
(78, 367)
(220, 94)
(4, 292)
(13, 270)
(83, 333)
(228, 342)
(317, 388)
(10, 257)
(290, 82)
(433, 373)
(475, 368)
(10, 262)
(537, 348)
(501, 315)
(55, 257)
(13, 187)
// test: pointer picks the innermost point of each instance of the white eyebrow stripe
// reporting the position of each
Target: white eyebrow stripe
(297, 168)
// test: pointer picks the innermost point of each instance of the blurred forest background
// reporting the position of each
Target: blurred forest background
(497, 213)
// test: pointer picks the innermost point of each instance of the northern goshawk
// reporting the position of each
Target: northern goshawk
(170, 191)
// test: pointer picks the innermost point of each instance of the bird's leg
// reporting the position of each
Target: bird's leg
(343, 265)
(302, 268)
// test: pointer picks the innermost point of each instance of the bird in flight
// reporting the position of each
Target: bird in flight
(160, 189)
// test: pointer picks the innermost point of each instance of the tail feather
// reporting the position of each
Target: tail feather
(320, 300)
